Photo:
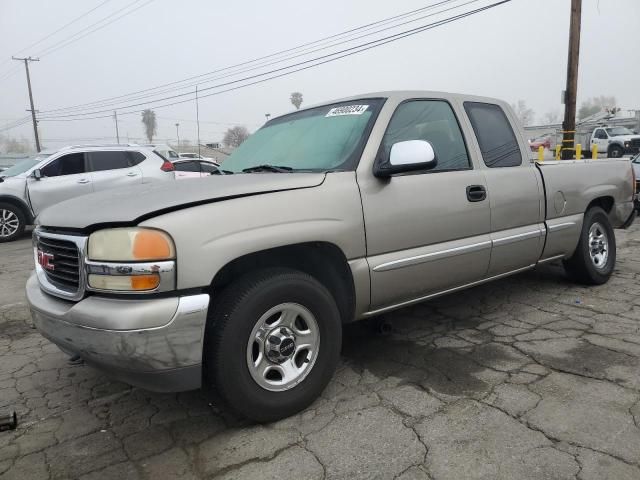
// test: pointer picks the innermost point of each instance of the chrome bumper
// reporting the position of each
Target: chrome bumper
(155, 344)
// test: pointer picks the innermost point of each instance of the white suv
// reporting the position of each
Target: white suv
(38, 182)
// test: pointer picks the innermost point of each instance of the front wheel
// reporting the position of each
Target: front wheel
(616, 151)
(272, 344)
(595, 257)
(12, 222)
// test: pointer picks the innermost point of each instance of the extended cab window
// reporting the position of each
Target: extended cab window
(497, 141)
(100, 161)
(433, 121)
(71, 164)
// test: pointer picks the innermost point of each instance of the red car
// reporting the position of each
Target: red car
(541, 141)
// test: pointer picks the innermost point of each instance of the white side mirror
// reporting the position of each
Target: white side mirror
(418, 153)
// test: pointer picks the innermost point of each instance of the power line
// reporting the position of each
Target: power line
(58, 30)
(319, 61)
(89, 30)
(111, 100)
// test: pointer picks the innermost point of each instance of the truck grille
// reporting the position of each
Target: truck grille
(635, 143)
(60, 260)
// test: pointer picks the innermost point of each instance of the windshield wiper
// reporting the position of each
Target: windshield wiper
(268, 168)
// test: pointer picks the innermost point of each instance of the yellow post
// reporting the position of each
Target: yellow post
(594, 151)
(578, 151)
(541, 154)
(558, 147)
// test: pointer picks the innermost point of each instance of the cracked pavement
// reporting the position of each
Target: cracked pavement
(528, 377)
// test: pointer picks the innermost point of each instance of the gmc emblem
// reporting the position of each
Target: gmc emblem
(46, 260)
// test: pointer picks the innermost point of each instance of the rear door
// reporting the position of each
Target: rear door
(601, 139)
(426, 231)
(514, 188)
(110, 169)
(63, 178)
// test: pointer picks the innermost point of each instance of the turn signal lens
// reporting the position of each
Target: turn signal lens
(130, 244)
(124, 283)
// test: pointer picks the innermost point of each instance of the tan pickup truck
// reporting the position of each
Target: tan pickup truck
(242, 281)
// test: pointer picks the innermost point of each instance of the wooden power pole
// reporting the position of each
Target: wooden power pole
(569, 124)
(26, 61)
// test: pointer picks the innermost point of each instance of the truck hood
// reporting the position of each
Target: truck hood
(131, 205)
(626, 138)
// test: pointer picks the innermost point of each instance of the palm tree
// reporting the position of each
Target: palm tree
(296, 99)
(150, 125)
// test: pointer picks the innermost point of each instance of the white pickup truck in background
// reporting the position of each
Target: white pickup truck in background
(615, 142)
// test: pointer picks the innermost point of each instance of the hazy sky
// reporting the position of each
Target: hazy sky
(515, 51)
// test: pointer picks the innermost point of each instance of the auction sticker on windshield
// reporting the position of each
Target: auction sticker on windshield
(347, 110)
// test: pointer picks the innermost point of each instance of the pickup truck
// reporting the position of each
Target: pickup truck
(339, 212)
(614, 141)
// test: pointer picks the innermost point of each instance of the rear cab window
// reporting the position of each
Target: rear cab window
(189, 166)
(113, 160)
(498, 143)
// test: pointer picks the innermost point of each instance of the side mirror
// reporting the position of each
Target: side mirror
(37, 174)
(407, 156)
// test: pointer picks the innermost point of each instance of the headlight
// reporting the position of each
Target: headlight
(130, 245)
(131, 260)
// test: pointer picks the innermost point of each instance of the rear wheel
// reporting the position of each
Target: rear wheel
(595, 257)
(12, 222)
(273, 342)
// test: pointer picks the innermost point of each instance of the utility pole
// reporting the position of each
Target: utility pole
(26, 61)
(198, 120)
(115, 117)
(178, 135)
(569, 124)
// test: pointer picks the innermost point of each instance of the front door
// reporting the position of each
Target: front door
(63, 178)
(601, 139)
(426, 231)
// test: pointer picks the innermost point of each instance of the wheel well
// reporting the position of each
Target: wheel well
(323, 261)
(606, 203)
(19, 204)
(615, 145)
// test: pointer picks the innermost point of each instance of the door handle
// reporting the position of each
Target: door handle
(476, 193)
(132, 174)
(83, 180)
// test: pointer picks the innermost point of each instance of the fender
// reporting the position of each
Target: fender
(21, 203)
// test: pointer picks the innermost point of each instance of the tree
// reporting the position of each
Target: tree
(524, 113)
(150, 124)
(296, 99)
(14, 145)
(594, 105)
(234, 136)
(551, 117)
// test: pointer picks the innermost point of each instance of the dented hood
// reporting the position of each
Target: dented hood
(131, 205)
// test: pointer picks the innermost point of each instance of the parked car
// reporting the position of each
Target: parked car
(165, 151)
(51, 177)
(540, 141)
(329, 214)
(614, 141)
(195, 156)
(635, 163)
(185, 168)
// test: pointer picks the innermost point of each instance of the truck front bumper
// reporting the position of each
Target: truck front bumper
(155, 344)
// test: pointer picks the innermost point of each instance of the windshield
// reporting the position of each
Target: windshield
(23, 166)
(325, 138)
(614, 132)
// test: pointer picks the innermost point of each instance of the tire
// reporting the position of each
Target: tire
(231, 352)
(616, 151)
(590, 267)
(12, 222)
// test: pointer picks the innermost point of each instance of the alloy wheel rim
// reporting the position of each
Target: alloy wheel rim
(598, 246)
(283, 347)
(9, 223)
